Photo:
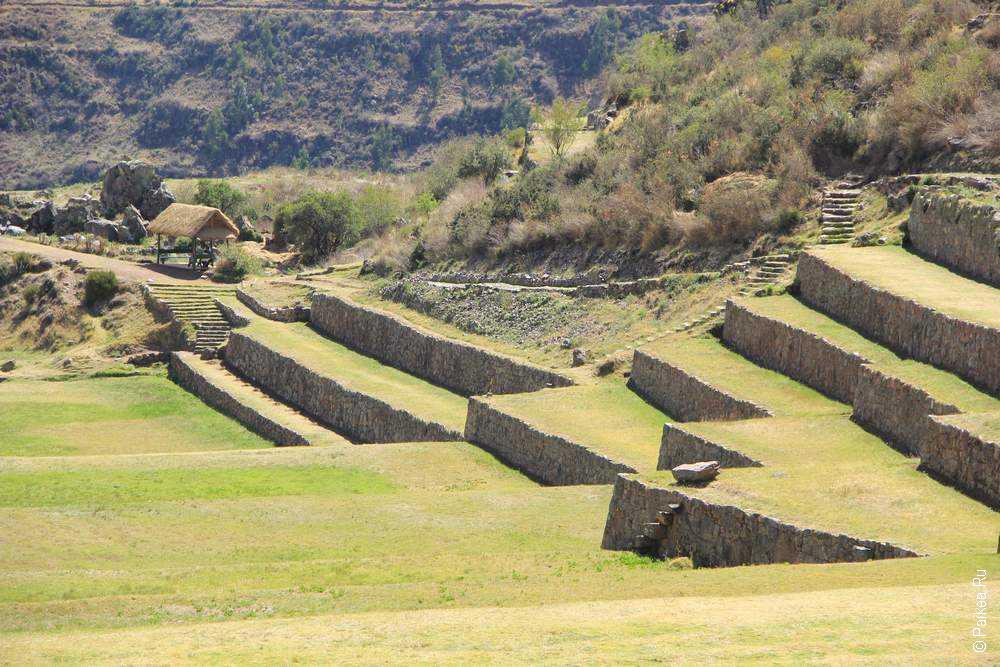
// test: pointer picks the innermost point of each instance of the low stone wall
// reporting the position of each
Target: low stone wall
(463, 368)
(964, 459)
(229, 314)
(550, 459)
(797, 353)
(895, 410)
(969, 350)
(679, 447)
(276, 313)
(723, 535)
(684, 396)
(188, 377)
(361, 417)
(957, 233)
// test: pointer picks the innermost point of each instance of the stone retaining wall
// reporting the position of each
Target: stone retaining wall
(679, 447)
(965, 459)
(276, 313)
(359, 416)
(957, 233)
(463, 368)
(797, 353)
(550, 459)
(895, 410)
(723, 535)
(188, 377)
(684, 396)
(969, 350)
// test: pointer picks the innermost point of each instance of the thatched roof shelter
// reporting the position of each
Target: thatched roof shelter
(198, 222)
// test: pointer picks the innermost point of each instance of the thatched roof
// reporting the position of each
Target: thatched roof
(199, 222)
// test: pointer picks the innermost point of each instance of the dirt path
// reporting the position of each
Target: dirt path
(124, 270)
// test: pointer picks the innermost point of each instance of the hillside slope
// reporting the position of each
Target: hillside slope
(220, 87)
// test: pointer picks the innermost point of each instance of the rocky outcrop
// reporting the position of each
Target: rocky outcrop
(361, 417)
(134, 223)
(895, 410)
(795, 352)
(721, 535)
(679, 447)
(967, 349)
(108, 229)
(963, 458)
(137, 184)
(74, 217)
(458, 366)
(186, 375)
(684, 396)
(296, 313)
(550, 459)
(957, 233)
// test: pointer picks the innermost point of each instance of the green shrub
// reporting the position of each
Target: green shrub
(99, 286)
(319, 223)
(788, 219)
(234, 264)
(488, 158)
(221, 195)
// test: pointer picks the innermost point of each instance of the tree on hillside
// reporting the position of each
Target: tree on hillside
(221, 195)
(560, 123)
(438, 73)
(385, 143)
(319, 223)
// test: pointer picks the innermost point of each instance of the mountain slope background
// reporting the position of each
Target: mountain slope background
(204, 88)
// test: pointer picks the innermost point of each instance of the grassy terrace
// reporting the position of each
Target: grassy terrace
(984, 424)
(128, 415)
(904, 274)
(360, 373)
(707, 359)
(828, 473)
(605, 417)
(942, 385)
(255, 399)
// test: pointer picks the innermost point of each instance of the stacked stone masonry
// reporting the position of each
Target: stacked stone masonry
(957, 456)
(550, 459)
(455, 365)
(188, 377)
(957, 233)
(276, 313)
(970, 350)
(679, 446)
(359, 416)
(684, 396)
(722, 535)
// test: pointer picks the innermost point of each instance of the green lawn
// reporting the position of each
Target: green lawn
(902, 273)
(128, 415)
(606, 417)
(940, 384)
(360, 373)
(707, 359)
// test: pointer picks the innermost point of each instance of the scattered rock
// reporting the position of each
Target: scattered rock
(694, 473)
(579, 357)
(14, 230)
(868, 239)
(8, 366)
(108, 229)
(566, 344)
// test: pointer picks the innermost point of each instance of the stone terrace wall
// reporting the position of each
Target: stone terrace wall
(723, 535)
(679, 447)
(187, 376)
(455, 365)
(896, 410)
(797, 353)
(969, 350)
(550, 459)
(957, 233)
(278, 314)
(359, 416)
(684, 396)
(965, 459)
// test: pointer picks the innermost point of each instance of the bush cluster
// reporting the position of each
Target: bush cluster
(98, 287)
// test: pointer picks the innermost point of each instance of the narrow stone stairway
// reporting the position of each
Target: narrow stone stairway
(769, 272)
(195, 305)
(839, 204)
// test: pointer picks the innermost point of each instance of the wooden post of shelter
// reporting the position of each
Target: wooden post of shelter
(202, 224)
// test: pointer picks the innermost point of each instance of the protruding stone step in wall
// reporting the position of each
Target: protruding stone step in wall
(455, 365)
(831, 282)
(548, 458)
(715, 535)
(230, 395)
(957, 233)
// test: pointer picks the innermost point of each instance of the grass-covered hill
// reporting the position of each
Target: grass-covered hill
(218, 87)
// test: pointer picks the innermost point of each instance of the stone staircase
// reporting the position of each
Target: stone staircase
(195, 305)
(839, 204)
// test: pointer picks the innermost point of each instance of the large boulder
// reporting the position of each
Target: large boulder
(108, 229)
(74, 216)
(134, 183)
(133, 221)
(696, 473)
(43, 219)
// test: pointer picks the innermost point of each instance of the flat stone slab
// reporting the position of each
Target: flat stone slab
(693, 473)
